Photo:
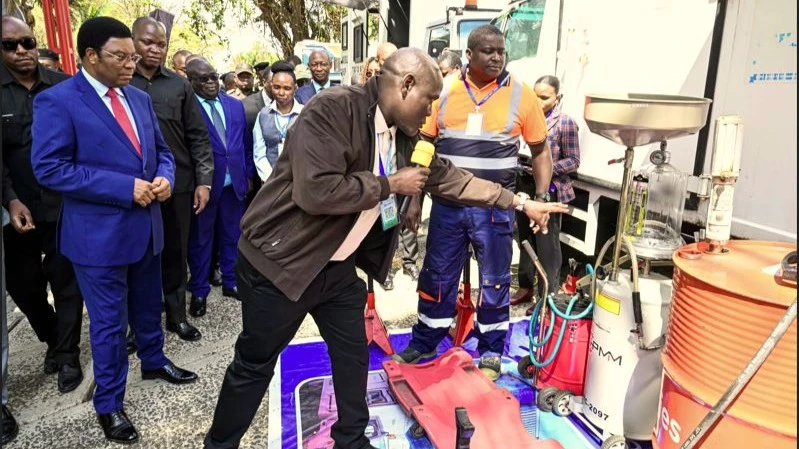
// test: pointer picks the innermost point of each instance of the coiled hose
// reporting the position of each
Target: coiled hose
(565, 317)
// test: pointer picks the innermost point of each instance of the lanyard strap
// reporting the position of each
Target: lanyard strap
(384, 169)
(490, 94)
(282, 129)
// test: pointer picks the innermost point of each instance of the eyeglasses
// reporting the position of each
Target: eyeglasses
(28, 43)
(202, 79)
(123, 59)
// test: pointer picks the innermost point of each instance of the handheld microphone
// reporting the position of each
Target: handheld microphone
(422, 156)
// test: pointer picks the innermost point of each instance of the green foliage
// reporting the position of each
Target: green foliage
(259, 53)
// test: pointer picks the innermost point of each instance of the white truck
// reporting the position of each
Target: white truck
(432, 25)
(739, 53)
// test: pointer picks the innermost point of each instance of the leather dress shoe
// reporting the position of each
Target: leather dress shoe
(389, 284)
(8, 426)
(231, 292)
(170, 373)
(184, 330)
(50, 365)
(130, 342)
(216, 278)
(412, 271)
(118, 428)
(69, 377)
(197, 306)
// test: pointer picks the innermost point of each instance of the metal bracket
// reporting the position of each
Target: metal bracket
(700, 185)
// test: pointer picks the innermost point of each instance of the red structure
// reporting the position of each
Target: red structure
(59, 33)
(375, 329)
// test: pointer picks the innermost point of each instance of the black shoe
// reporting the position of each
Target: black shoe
(69, 377)
(50, 365)
(184, 330)
(118, 428)
(389, 284)
(216, 278)
(8, 426)
(197, 306)
(170, 373)
(412, 271)
(130, 342)
(231, 292)
(411, 356)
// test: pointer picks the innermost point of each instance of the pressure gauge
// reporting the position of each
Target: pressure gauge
(658, 157)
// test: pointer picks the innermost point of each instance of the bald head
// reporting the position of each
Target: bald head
(144, 23)
(24, 59)
(408, 83)
(384, 50)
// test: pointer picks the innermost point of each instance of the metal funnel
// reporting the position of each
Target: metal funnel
(639, 119)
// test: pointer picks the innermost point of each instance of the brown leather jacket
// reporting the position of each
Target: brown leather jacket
(321, 182)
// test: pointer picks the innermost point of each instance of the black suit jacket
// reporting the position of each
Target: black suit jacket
(252, 106)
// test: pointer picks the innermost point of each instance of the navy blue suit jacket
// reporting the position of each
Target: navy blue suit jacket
(80, 150)
(305, 93)
(237, 157)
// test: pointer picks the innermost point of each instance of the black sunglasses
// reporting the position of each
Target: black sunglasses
(206, 78)
(28, 43)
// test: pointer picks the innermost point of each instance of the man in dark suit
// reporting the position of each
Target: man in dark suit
(34, 214)
(234, 169)
(97, 142)
(320, 65)
(182, 125)
(257, 101)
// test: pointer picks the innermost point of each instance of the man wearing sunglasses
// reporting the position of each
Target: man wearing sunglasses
(97, 142)
(34, 214)
(182, 125)
(234, 169)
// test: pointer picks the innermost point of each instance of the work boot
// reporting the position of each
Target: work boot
(176, 316)
(411, 356)
(491, 366)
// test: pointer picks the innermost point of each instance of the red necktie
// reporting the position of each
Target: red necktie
(122, 118)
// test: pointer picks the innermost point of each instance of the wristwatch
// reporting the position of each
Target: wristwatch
(523, 198)
(543, 196)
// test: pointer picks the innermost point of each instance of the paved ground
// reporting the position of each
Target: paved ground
(166, 416)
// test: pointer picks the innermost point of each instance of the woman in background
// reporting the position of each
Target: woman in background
(370, 69)
(275, 119)
(563, 141)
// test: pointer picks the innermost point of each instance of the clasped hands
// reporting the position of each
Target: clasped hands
(145, 192)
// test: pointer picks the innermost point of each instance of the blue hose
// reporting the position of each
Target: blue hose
(553, 310)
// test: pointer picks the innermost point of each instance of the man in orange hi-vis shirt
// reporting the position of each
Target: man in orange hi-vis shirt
(477, 124)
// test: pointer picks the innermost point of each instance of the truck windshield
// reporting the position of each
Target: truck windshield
(523, 30)
(465, 28)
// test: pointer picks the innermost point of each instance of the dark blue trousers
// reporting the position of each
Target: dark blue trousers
(221, 218)
(451, 230)
(114, 297)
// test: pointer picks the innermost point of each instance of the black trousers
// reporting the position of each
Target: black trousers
(177, 212)
(546, 246)
(335, 299)
(409, 244)
(27, 276)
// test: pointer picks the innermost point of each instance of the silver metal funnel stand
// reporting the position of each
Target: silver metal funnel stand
(640, 119)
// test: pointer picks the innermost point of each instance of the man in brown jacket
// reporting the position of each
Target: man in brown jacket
(331, 205)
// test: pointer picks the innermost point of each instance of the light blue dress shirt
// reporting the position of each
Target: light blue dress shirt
(207, 105)
(319, 87)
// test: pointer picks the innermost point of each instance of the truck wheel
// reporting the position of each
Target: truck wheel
(560, 403)
(614, 442)
(544, 398)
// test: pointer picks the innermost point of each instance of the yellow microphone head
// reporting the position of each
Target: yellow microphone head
(423, 153)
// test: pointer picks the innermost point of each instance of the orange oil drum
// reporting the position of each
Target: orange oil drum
(724, 308)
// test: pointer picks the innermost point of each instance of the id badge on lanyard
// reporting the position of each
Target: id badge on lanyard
(389, 215)
(474, 121)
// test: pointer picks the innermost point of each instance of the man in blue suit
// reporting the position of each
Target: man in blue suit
(320, 65)
(234, 168)
(97, 142)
